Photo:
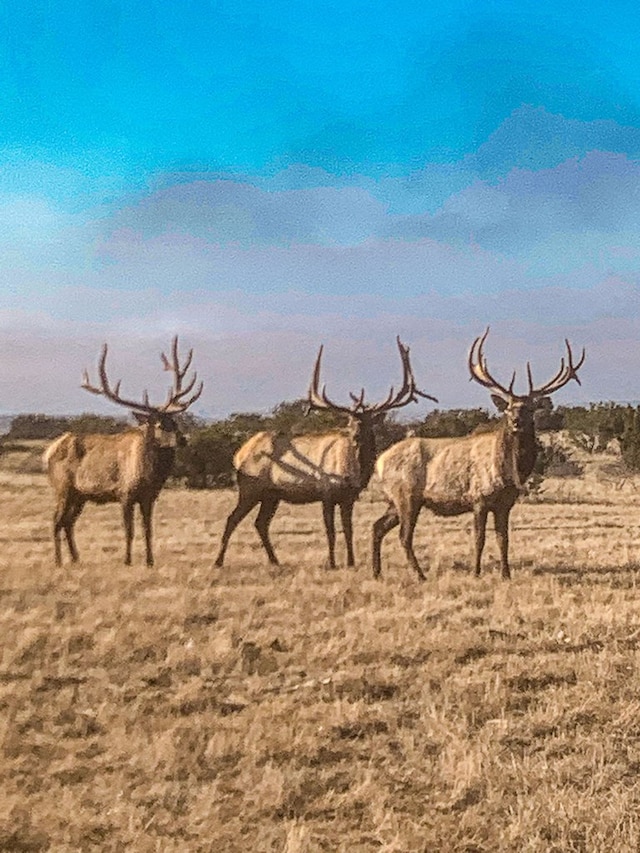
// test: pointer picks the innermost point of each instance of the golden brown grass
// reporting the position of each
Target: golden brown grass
(298, 710)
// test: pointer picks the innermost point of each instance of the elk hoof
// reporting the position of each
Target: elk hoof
(419, 572)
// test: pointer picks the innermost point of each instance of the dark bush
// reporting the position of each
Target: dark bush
(630, 439)
(206, 462)
(593, 427)
(33, 426)
(449, 423)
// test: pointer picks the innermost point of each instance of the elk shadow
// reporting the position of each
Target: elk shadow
(301, 467)
(624, 576)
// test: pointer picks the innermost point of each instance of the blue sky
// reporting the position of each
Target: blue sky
(264, 177)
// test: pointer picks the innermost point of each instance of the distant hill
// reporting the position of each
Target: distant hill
(5, 423)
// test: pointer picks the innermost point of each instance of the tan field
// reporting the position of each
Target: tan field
(296, 709)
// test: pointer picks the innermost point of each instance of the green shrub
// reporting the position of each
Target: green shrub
(32, 426)
(630, 439)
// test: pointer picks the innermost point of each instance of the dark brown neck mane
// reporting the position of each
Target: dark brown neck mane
(521, 452)
(366, 444)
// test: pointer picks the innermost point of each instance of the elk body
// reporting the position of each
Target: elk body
(331, 467)
(480, 473)
(130, 468)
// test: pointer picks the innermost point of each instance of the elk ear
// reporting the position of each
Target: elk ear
(378, 418)
(141, 417)
(499, 403)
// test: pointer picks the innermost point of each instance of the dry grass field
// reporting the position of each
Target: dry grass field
(297, 710)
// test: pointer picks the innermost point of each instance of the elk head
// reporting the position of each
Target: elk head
(363, 416)
(161, 418)
(361, 412)
(519, 409)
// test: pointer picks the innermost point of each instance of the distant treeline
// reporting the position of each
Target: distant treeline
(48, 426)
(206, 461)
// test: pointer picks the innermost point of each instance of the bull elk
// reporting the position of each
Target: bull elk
(478, 473)
(331, 467)
(129, 467)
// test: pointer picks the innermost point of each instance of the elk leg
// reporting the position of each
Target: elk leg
(146, 510)
(244, 507)
(407, 529)
(346, 514)
(71, 516)
(265, 515)
(63, 519)
(380, 529)
(329, 524)
(480, 527)
(58, 524)
(501, 520)
(127, 517)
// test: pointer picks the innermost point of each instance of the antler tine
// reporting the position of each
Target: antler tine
(408, 392)
(107, 391)
(358, 401)
(568, 371)
(529, 378)
(318, 399)
(178, 407)
(86, 382)
(174, 401)
(480, 372)
(172, 366)
(195, 396)
(414, 391)
(477, 363)
(173, 404)
(315, 400)
(185, 391)
(175, 368)
(559, 377)
(174, 354)
(385, 404)
(187, 363)
(574, 367)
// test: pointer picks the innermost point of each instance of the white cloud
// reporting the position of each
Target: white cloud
(256, 277)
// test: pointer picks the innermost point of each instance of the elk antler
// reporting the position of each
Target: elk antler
(174, 402)
(565, 374)
(408, 392)
(480, 372)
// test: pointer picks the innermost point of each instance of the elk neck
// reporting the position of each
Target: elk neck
(164, 459)
(158, 457)
(365, 442)
(520, 450)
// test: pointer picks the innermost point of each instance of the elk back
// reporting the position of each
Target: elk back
(316, 461)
